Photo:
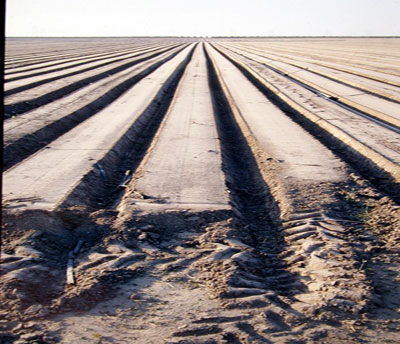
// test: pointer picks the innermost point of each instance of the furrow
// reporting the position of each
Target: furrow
(12, 88)
(66, 52)
(384, 172)
(89, 155)
(193, 177)
(315, 249)
(40, 71)
(52, 120)
(376, 108)
(32, 103)
(376, 89)
(248, 259)
(382, 68)
(332, 66)
(21, 71)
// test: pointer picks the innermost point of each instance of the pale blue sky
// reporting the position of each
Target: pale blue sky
(202, 18)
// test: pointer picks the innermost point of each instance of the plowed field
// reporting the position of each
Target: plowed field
(201, 191)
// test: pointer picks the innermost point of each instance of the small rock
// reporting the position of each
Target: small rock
(18, 327)
(8, 325)
(135, 297)
(26, 251)
(117, 248)
(143, 236)
(36, 234)
(194, 218)
(30, 324)
(43, 312)
(33, 309)
(31, 336)
(154, 236)
(146, 227)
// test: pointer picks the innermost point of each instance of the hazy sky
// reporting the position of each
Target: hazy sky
(202, 17)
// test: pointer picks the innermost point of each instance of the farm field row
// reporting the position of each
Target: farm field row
(224, 190)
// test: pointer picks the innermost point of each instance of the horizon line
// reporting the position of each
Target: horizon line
(218, 36)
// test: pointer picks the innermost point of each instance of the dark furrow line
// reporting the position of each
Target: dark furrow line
(330, 77)
(102, 186)
(243, 178)
(48, 58)
(382, 179)
(333, 99)
(19, 108)
(340, 69)
(356, 63)
(45, 81)
(282, 257)
(53, 60)
(256, 211)
(74, 58)
(79, 64)
(29, 144)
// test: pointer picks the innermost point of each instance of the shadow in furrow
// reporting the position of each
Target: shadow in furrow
(21, 107)
(260, 269)
(77, 64)
(29, 144)
(103, 184)
(370, 170)
(249, 193)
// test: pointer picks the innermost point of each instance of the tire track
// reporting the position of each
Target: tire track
(315, 232)
(280, 264)
(249, 265)
(295, 260)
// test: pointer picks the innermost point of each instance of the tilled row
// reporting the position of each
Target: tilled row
(367, 101)
(39, 94)
(360, 82)
(40, 69)
(94, 146)
(367, 150)
(334, 67)
(17, 86)
(42, 51)
(35, 129)
(382, 66)
(301, 262)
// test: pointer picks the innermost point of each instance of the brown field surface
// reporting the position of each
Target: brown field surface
(182, 190)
